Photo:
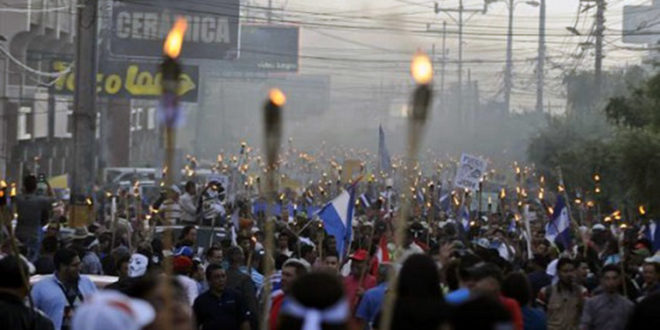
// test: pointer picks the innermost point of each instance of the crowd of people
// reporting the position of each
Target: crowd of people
(490, 270)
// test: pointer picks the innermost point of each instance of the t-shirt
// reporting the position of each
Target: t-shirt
(32, 213)
(371, 303)
(534, 318)
(49, 297)
(351, 285)
(226, 312)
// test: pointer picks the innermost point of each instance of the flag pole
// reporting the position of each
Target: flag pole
(422, 72)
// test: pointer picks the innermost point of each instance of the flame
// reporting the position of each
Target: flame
(502, 193)
(551, 211)
(88, 201)
(517, 170)
(541, 194)
(490, 201)
(3, 184)
(597, 190)
(172, 46)
(590, 204)
(277, 97)
(624, 226)
(596, 177)
(12, 192)
(578, 201)
(421, 68)
(542, 179)
(642, 210)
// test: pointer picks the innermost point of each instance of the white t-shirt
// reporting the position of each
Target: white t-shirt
(190, 286)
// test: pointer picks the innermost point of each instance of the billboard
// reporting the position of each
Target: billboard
(269, 47)
(128, 79)
(139, 28)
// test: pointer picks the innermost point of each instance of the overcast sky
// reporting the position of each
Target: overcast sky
(393, 31)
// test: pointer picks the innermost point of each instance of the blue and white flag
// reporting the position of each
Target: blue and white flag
(465, 218)
(365, 200)
(383, 155)
(652, 233)
(337, 217)
(558, 230)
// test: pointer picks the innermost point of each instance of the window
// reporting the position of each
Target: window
(23, 122)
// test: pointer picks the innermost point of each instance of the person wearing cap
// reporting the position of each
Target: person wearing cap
(14, 314)
(409, 246)
(608, 310)
(358, 281)
(182, 266)
(488, 281)
(60, 294)
(291, 270)
(220, 307)
(564, 300)
(108, 310)
(91, 264)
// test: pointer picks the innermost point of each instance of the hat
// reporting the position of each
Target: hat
(112, 310)
(642, 252)
(654, 259)
(598, 226)
(483, 242)
(81, 233)
(359, 255)
(184, 251)
(175, 189)
(182, 264)
(137, 265)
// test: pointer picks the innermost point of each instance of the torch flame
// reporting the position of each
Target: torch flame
(12, 192)
(421, 68)
(502, 193)
(172, 46)
(642, 210)
(3, 184)
(277, 97)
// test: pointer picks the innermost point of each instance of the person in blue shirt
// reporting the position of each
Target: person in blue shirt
(58, 295)
(373, 298)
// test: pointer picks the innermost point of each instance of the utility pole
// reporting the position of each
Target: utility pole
(270, 11)
(443, 64)
(540, 63)
(460, 22)
(508, 74)
(600, 29)
(84, 112)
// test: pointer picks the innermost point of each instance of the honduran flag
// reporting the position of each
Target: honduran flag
(364, 200)
(382, 254)
(558, 230)
(337, 217)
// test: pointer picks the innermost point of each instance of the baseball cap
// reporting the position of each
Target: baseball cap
(359, 255)
(112, 310)
(182, 264)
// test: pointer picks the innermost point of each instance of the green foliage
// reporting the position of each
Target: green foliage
(621, 142)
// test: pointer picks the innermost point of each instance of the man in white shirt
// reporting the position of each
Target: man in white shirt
(188, 203)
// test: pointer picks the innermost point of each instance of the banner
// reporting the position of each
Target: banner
(129, 79)
(470, 171)
(139, 28)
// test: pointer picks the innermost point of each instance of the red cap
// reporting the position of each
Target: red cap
(182, 264)
(359, 255)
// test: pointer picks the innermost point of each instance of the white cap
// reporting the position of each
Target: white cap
(137, 265)
(112, 310)
(389, 182)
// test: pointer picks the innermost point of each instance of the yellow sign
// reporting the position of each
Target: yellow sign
(122, 79)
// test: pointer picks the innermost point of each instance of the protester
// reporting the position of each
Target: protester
(317, 301)
(33, 212)
(214, 256)
(516, 286)
(238, 281)
(45, 264)
(419, 304)
(187, 237)
(651, 276)
(373, 298)
(358, 281)
(168, 299)
(291, 270)
(14, 314)
(188, 203)
(331, 261)
(608, 310)
(564, 300)
(60, 294)
(488, 281)
(220, 307)
(112, 310)
(183, 267)
(170, 209)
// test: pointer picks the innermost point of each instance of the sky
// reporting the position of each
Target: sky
(366, 44)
